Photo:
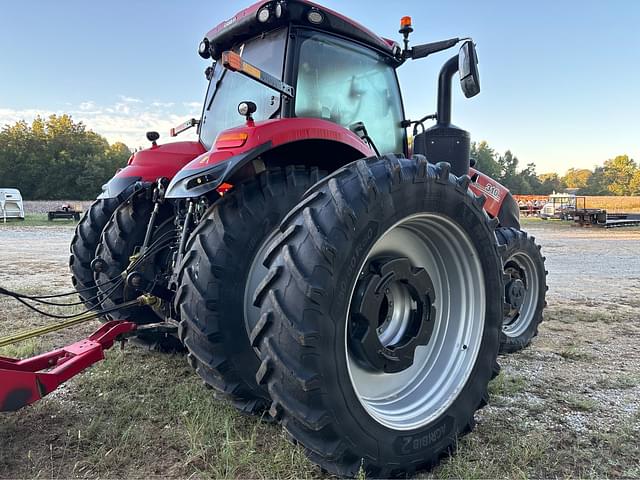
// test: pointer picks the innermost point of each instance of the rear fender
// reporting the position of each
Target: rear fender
(271, 142)
(499, 201)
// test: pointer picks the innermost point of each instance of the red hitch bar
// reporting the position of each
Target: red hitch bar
(23, 382)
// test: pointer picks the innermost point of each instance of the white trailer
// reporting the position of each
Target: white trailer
(11, 205)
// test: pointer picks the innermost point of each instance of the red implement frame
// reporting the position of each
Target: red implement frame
(23, 382)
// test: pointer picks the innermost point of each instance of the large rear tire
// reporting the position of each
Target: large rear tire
(380, 316)
(525, 288)
(84, 244)
(219, 274)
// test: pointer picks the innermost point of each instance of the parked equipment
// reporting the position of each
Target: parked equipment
(66, 212)
(569, 206)
(314, 267)
(11, 205)
(559, 205)
(616, 220)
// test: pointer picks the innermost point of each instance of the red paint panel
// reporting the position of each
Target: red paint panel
(161, 161)
(280, 132)
(494, 192)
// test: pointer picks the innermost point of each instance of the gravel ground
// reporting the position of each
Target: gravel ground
(586, 266)
(568, 406)
(31, 256)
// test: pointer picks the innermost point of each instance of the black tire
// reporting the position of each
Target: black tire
(122, 237)
(523, 261)
(84, 244)
(315, 263)
(213, 277)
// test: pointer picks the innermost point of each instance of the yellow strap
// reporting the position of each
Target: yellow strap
(83, 317)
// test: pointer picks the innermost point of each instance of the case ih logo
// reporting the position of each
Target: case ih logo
(493, 191)
(231, 21)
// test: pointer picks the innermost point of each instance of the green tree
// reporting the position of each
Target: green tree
(549, 183)
(618, 173)
(485, 158)
(57, 158)
(530, 182)
(509, 175)
(597, 183)
(577, 178)
(634, 184)
(504, 169)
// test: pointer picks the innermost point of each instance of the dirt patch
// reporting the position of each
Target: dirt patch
(568, 406)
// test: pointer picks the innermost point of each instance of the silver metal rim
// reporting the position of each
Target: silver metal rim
(421, 393)
(514, 327)
(257, 271)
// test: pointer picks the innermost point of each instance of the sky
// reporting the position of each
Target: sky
(559, 78)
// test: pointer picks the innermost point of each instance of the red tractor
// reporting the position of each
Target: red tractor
(312, 262)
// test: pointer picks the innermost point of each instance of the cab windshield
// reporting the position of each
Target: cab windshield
(227, 89)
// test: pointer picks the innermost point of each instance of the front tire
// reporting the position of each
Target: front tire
(120, 240)
(380, 316)
(525, 289)
(220, 271)
(84, 244)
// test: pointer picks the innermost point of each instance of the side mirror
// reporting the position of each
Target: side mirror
(468, 68)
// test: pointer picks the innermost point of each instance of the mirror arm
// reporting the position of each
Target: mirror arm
(445, 78)
(421, 51)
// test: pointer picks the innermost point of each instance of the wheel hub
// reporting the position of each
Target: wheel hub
(392, 313)
(515, 293)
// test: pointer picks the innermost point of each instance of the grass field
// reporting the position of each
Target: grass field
(615, 204)
(34, 220)
(142, 413)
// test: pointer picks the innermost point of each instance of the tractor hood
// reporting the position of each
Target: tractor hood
(152, 163)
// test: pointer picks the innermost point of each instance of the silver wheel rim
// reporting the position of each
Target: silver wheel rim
(421, 393)
(257, 271)
(516, 324)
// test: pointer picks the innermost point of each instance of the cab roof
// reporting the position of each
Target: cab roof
(245, 25)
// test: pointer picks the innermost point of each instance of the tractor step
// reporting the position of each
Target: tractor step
(23, 382)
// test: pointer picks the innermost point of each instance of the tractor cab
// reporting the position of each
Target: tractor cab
(293, 80)
(319, 65)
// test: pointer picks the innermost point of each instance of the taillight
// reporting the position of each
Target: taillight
(224, 188)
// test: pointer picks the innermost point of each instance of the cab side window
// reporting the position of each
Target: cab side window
(346, 84)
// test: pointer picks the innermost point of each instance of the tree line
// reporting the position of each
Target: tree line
(57, 158)
(617, 176)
